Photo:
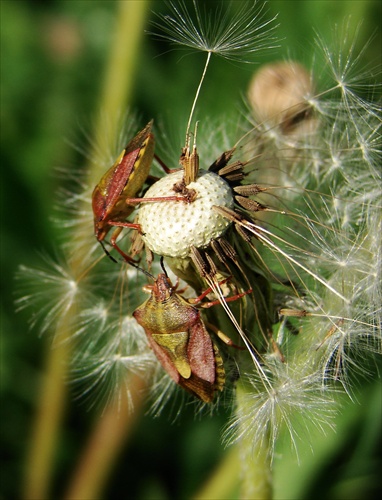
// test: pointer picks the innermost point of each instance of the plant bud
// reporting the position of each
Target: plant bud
(279, 95)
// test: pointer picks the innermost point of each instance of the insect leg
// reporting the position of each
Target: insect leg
(222, 336)
(116, 233)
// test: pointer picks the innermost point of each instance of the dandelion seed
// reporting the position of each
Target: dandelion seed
(231, 35)
(108, 353)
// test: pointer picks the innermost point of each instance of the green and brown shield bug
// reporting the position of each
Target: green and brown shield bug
(180, 341)
(179, 338)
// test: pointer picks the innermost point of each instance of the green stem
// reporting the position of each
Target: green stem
(39, 462)
(105, 442)
(255, 458)
(245, 468)
(223, 482)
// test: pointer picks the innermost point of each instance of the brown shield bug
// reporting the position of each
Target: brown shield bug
(179, 338)
(121, 182)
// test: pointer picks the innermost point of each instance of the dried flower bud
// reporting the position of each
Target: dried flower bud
(279, 93)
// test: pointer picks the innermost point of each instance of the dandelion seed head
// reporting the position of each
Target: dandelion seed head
(50, 292)
(99, 379)
(110, 350)
(172, 228)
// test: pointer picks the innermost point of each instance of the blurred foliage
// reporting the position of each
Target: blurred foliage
(53, 57)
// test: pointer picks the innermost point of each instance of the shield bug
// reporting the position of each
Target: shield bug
(122, 181)
(179, 338)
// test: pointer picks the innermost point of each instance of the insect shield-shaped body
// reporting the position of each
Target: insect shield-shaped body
(180, 341)
(121, 182)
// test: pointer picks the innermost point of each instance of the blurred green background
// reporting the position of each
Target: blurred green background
(53, 58)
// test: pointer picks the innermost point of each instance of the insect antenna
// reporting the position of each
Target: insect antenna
(162, 265)
(108, 253)
(141, 269)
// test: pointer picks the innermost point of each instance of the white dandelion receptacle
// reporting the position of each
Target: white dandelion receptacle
(171, 228)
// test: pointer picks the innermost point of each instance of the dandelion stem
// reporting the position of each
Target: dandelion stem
(45, 430)
(255, 458)
(224, 481)
(109, 435)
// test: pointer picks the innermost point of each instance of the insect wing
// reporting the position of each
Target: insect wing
(123, 180)
(111, 186)
(200, 388)
(163, 358)
(207, 369)
(194, 384)
(201, 353)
